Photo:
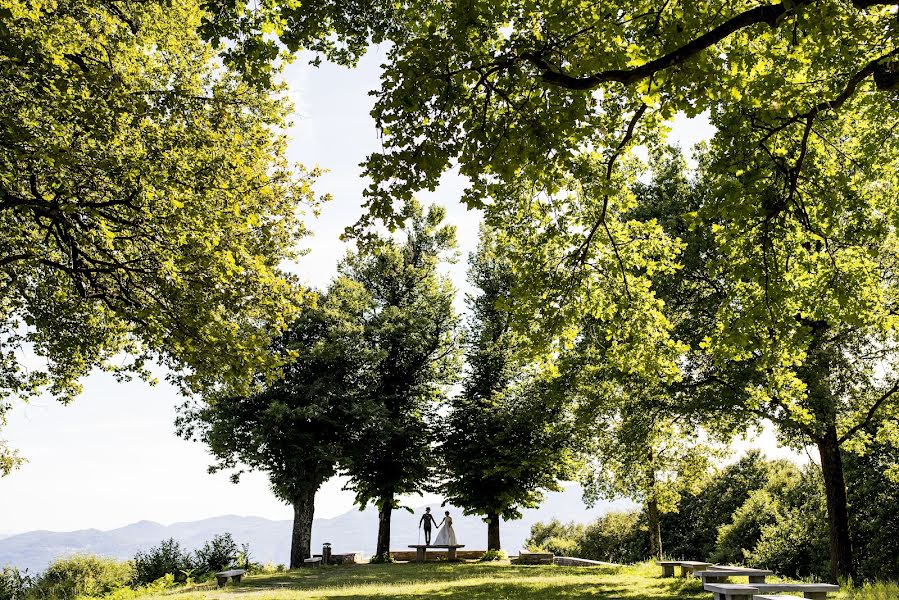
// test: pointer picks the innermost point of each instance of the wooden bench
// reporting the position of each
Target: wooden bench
(420, 551)
(535, 558)
(718, 573)
(314, 562)
(731, 591)
(814, 591)
(234, 574)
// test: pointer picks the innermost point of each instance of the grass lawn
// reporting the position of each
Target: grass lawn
(492, 581)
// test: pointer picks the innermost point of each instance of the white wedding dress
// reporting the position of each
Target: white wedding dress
(446, 536)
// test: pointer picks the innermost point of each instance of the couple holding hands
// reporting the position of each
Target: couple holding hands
(446, 536)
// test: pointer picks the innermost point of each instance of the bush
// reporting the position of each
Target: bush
(492, 555)
(542, 533)
(560, 546)
(165, 559)
(83, 575)
(619, 537)
(737, 539)
(14, 584)
(217, 555)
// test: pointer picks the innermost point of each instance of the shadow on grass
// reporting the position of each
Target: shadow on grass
(449, 582)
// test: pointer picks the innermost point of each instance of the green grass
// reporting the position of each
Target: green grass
(443, 581)
(491, 581)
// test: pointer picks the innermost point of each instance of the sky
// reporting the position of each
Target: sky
(112, 458)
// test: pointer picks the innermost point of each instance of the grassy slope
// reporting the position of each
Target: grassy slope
(473, 581)
(455, 582)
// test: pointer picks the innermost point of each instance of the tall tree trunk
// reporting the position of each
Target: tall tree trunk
(383, 547)
(652, 510)
(655, 528)
(837, 505)
(493, 532)
(301, 540)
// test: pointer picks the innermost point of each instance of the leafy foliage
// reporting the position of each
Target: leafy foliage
(145, 201)
(506, 439)
(411, 349)
(168, 558)
(82, 575)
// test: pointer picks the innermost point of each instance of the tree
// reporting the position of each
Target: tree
(296, 428)
(537, 97)
(504, 443)
(145, 201)
(409, 332)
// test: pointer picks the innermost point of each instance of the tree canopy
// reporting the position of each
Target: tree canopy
(145, 201)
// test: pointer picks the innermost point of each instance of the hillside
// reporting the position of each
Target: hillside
(270, 540)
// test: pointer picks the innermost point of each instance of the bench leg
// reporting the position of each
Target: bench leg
(684, 570)
(450, 554)
(236, 578)
(816, 595)
(667, 570)
(756, 579)
(220, 581)
(419, 555)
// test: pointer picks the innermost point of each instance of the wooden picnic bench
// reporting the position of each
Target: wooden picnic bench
(420, 551)
(813, 591)
(731, 591)
(234, 574)
(716, 574)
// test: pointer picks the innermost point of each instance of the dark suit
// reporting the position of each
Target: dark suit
(426, 520)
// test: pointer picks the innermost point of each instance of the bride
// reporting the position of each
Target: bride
(446, 536)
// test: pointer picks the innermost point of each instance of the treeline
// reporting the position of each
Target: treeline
(754, 512)
(158, 568)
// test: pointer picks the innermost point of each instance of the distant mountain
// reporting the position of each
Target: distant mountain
(270, 540)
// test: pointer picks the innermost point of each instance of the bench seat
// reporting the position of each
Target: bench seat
(716, 574)
(813, 591)
(315, 561)
(731, 591)
(421, 548)
(222, 577)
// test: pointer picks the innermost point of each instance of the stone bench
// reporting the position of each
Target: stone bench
(718, 573)
(234, 575)
(420, 551)
(313, 562)
(686, 566)
(813, 591)
(535, 558)
(731, 591)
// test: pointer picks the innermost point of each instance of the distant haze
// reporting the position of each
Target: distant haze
(270, 539)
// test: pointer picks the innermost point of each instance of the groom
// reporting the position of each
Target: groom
(426, 521)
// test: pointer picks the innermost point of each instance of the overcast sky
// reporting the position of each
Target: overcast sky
(111, 458)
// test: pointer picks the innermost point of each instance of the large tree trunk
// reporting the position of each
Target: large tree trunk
(383, 548)
(301, 541)
(652, 510)
(655, 528)
(837, 505)
(493, 532)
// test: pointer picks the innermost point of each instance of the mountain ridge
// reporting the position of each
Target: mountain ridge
(269, 539)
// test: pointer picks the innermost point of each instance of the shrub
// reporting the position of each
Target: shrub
(541, 533)
(14, 584)
(560, 546)
(619, 537)
(492, 555)
(796, 544)
(83, 575)
(737, 539)
(165, 559)
(217, 554)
